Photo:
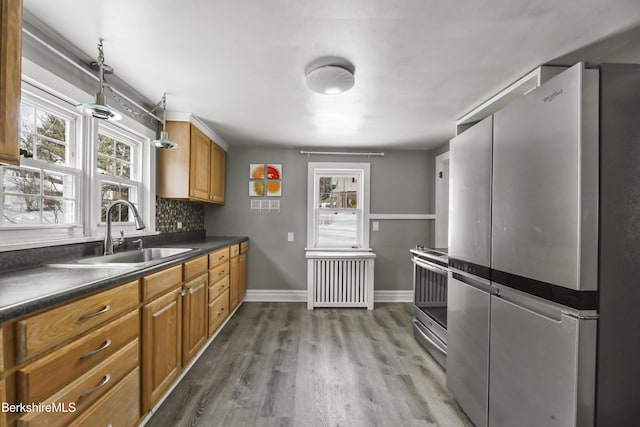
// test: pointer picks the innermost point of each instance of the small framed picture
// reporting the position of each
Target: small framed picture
(274, 171)
(256, 171)
(256, 189)
(274, 188)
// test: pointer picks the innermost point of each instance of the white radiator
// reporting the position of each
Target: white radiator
(340, 279)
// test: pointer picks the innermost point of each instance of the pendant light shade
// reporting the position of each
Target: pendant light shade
(100, 109)
(164, 141)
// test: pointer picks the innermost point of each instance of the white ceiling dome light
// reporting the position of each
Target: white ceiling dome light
(330, 76)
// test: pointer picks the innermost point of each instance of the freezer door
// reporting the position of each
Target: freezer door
(542, 365)
(545, 183)
(470, 194)
(468, 344)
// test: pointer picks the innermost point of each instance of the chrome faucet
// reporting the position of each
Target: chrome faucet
(108, 242)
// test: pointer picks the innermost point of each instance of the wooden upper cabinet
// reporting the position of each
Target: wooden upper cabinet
(199, 165)
(218, 172)
(11, 60)
(195, 170)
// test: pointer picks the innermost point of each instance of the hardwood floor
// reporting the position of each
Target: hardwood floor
(279, 364)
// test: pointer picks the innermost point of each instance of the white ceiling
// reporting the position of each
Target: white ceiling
(420, 64)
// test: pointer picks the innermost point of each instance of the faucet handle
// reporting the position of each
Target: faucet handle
(138, 242)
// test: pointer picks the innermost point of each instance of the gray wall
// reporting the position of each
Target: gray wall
(401, 183)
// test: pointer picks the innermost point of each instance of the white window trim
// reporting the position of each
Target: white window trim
(56, 89)
(320, 168)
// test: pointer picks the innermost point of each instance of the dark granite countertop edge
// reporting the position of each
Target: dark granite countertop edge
(200, 247)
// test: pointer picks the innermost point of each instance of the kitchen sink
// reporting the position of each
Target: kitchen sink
(136, 258)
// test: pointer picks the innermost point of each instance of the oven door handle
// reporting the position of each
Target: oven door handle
(423, 264)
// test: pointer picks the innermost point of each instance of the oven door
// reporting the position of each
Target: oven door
(430, 296)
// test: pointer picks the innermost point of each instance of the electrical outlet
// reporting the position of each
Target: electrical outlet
(290, 236)
(375, 226)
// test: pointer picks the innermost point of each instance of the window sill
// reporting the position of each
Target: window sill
(58, 242)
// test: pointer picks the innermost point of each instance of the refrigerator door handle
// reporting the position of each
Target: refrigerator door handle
(539, 309)
(474, 283)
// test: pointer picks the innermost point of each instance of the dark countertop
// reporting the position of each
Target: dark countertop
(29, 290)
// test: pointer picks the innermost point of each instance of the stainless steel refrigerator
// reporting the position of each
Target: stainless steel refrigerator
(469, 260)
(564, 286)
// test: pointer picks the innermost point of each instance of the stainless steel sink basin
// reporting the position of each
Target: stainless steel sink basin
(137, 258)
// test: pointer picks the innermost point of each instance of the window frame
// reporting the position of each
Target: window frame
(42, 84)
(318, 169)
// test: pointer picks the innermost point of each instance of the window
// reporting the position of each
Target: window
(44, 190)
(338, 205)
(118, 171)
(71, 167)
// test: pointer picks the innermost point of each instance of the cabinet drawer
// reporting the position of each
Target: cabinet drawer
(219, 272)
(43, 331)
(158, 283)
(217, 288)
(86, 389)
(195, 267)
(244, 247)
(120, 407)
(218, 311)
(42, 378)
(235, 250)
(218, 257)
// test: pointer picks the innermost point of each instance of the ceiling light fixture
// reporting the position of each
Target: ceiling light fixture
(330, 78)
(100, 109)
(163, 141)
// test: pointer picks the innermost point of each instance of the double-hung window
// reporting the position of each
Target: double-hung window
(338, 206)
(119, 171)
(44, 191)
(71, 168)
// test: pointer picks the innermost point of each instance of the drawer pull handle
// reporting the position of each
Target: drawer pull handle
(221, 272)
(220, 288)
(97, 313)
(104, 346)
(221, 311)
(221, 257)
(104, 382)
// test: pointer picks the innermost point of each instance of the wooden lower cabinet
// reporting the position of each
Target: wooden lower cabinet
(42, 378)
(194, 317)
(161, 345)
(218, 311)
(234, 282)
(242, 276)
(3, 398)
(120, 407)
(83, 392)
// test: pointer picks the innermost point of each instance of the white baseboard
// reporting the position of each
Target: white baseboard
(393, 296)
(279, 295)
(275, 295)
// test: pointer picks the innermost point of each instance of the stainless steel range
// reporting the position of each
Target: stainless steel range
(430, 270)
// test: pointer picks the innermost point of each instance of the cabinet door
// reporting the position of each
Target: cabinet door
(3, 398)
(199, 165)
(161, 345)
(218, 172)
(234, 282)
(11, 59)
(194, 327)
(242, 276)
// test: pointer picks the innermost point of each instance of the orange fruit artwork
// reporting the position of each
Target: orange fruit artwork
(273, 187)
(258, 172)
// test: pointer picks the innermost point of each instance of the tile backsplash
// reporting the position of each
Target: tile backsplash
(170, 212)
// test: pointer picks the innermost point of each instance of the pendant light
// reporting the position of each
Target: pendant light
(100, 109)
(163, 141)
